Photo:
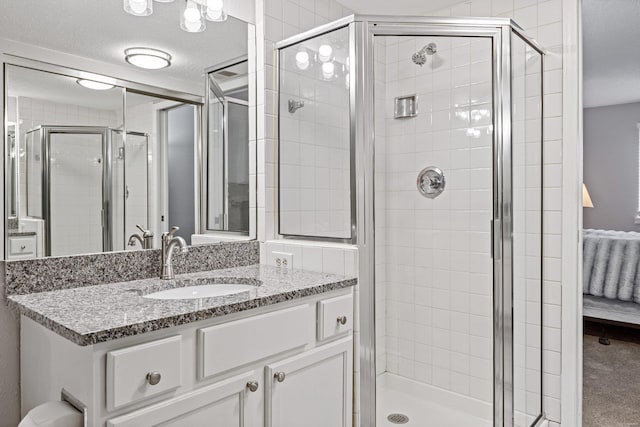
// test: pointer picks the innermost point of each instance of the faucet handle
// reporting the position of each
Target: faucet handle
(173, 230)
(139, 227)
(145, 233)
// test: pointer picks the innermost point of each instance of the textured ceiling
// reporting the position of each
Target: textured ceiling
(611, 33)
(101, 30)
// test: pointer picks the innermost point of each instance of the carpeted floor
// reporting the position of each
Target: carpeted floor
(611, 392)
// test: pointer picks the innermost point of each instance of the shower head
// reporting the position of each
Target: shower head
(420, 57)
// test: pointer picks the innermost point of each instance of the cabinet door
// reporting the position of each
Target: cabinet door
(228, 403)
(312, 389)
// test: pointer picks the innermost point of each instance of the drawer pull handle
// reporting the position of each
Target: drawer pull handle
(253, 386)
(154, 377)
(342, 320)
(279, 376)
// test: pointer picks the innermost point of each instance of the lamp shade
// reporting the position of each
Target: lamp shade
(586, 199)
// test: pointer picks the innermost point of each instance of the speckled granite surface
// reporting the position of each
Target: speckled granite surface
(93, 314)
(47, 274)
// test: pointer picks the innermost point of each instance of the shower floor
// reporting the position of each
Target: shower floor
(427, 406)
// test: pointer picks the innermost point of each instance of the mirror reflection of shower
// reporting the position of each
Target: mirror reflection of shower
(420, 57)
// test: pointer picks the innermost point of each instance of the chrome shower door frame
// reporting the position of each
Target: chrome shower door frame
(364, 29)
(107, 193)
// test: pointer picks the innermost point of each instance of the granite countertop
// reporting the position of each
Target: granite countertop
(93, 314)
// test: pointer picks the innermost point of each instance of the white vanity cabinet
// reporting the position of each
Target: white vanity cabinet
(21, 247)
(283, 365)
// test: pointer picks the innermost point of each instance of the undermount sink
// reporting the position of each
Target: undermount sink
(201, 291)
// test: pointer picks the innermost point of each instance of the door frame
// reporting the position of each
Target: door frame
(572, 176)
(362, 128)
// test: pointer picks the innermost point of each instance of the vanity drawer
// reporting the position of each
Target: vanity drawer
(22, 247)
(234, 344)
(142, 371)
(335, 316)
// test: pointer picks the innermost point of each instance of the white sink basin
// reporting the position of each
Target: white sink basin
(201, 291)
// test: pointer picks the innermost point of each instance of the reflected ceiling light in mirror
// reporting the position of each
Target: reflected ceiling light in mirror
(138, 7)
(90, 84)
(164, 1)
(147, 58)
(215, 11)
(324, 52)
(191, 19)
(327, 70)
(302, 60)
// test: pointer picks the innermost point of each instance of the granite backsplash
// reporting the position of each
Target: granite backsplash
(47, 274)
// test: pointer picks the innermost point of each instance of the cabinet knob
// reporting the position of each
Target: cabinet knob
(253, 386)
(279, 376)
(342, 320)
(23, 247)
(154, 377)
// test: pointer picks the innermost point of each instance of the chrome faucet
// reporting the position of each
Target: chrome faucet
(169, 242)
(145, 238)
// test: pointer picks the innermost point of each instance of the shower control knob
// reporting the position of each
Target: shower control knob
(154, 377)
(253, 386)
(279, 376)
(342, 320)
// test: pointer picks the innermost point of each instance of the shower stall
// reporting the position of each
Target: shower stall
(88, 169)
(440, 123)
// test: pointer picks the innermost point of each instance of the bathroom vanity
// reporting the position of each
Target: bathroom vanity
(277, 355)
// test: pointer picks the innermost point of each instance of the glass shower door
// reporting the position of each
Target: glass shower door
(433, 261)
(76, 169)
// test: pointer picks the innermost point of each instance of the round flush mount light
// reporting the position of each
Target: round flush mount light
(147, 58)
(90, 84)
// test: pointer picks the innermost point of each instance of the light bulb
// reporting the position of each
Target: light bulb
(327, 70)
(215, 11)
(192, 20)
(302, 60)
(138, 7)
(324, 52)
(192, 14)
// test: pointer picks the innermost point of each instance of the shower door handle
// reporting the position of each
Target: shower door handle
(496, 226)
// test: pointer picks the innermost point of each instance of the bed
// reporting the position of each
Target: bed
(611, 275)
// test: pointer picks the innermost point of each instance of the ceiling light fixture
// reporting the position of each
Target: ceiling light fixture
(90, 84)
(138, 7)
(144, 57)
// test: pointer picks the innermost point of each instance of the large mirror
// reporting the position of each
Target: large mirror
(102, 155)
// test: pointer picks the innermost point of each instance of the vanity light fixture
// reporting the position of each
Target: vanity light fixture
(147, 58)
(192, 12)
(90, 84)
(324, 52)
(138, 7)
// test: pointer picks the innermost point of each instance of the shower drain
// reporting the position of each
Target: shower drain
(398, 418)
